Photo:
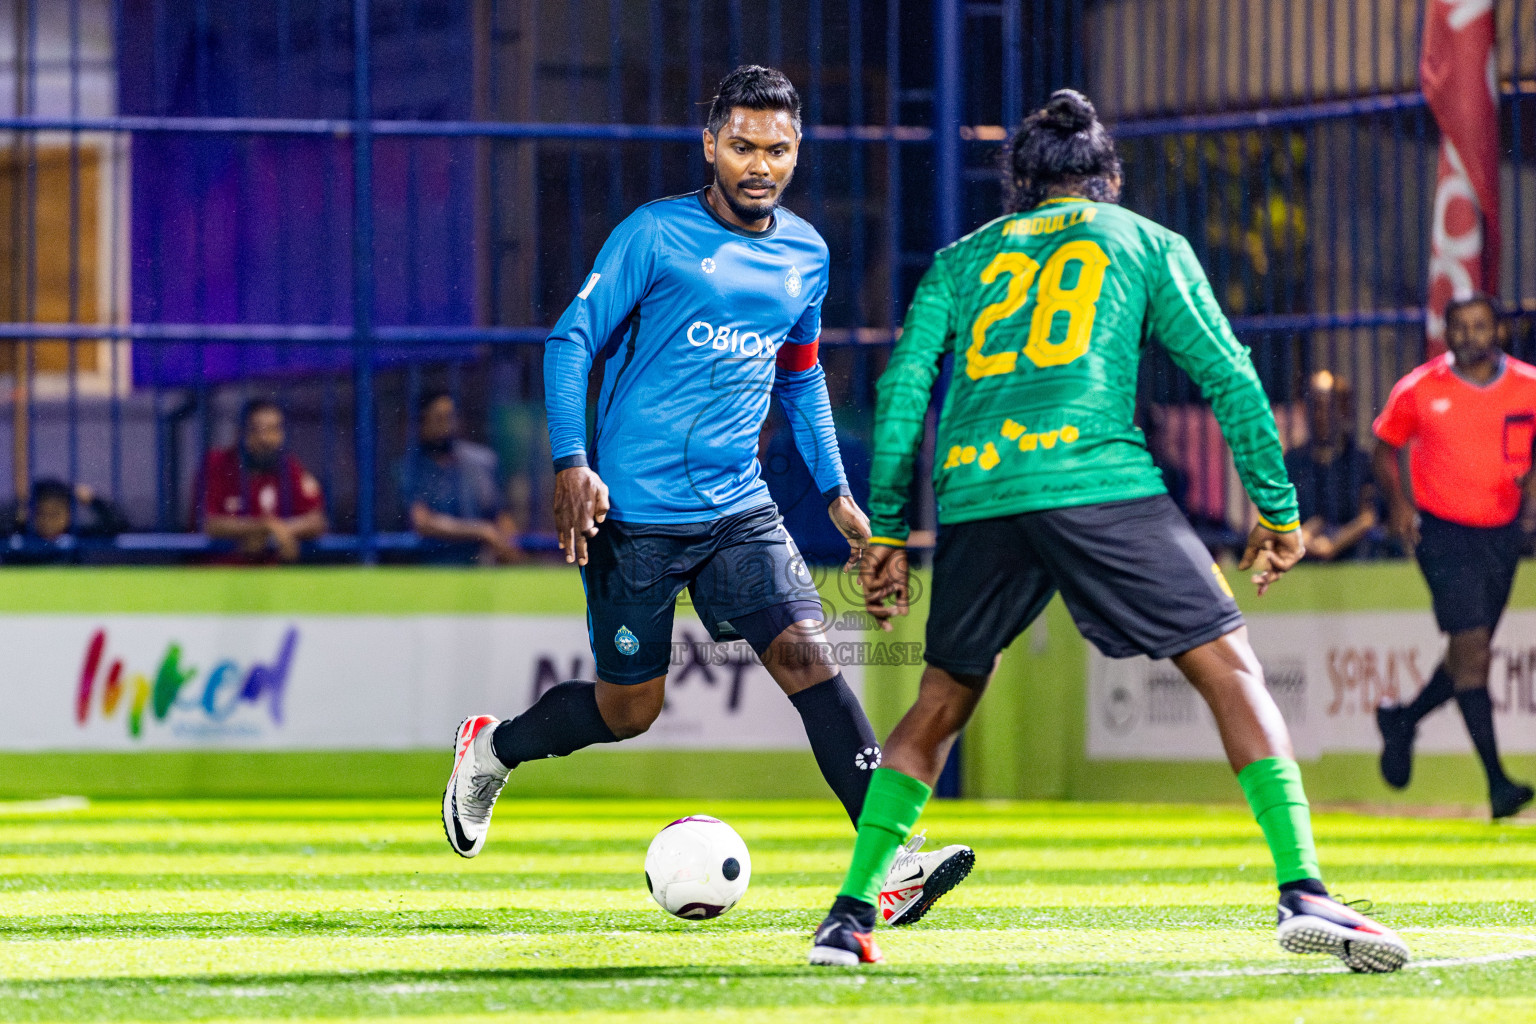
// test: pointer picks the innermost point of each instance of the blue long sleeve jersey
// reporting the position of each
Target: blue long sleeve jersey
(700, 322)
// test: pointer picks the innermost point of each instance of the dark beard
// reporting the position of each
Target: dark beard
(436, 448)
(261, 464)
(755, 211)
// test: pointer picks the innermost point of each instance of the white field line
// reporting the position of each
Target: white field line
(430, 987)
(214, 990)
(57, 805)
(1258, 972)
(1467, 961)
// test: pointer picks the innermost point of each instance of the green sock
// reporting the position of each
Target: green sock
(1273, 789)
(891, 809)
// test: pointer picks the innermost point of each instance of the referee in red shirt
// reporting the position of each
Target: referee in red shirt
(1468, 419)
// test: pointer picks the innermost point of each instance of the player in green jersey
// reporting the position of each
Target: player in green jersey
(1044, 484)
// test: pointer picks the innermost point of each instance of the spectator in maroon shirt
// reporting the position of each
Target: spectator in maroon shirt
(258, 494)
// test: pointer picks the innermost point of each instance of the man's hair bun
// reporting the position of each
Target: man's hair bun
(1069, 111)
(1061, 146)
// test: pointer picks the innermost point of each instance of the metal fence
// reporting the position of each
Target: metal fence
(343, 202)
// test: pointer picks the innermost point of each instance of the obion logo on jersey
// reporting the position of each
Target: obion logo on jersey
(726, 338)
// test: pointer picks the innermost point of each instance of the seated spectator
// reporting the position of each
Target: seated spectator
(447, 489)
(257, 493)
(45, 528)
(1334, 487)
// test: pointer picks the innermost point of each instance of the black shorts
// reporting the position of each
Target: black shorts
(1469, 569)
(1132, 573)
(732, 567)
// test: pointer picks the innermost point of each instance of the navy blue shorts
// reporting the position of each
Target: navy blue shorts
(1469, 569)
(733, 569)
(1132, 573)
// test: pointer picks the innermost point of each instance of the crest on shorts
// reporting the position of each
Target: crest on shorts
(625, 641)
(792, 282)
(707, 265)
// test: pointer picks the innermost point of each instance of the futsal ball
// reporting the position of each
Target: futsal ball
(697, 867)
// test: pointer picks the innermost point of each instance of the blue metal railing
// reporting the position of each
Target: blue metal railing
(531, 131)
(364, 341)
(1207, 153)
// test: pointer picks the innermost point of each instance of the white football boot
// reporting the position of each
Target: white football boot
(1309, 923)
(917, 880)
(473, 787)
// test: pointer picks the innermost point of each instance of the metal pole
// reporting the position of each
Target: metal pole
(73, 345)
(29, 241)
(363, 342)
(1013, 64)
(946, 120)
(114, 311)
(948, 188)
(894, 246)
(815, 37)
(21, 404)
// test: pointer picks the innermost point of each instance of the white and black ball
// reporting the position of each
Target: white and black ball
(697, 868)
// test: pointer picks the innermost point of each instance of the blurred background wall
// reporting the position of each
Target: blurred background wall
(343, 203)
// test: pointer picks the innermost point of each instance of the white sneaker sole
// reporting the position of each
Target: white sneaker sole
(831, 956)
(1362, 953)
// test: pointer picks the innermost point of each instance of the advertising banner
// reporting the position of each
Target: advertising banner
(334, 682)
(1327, 674)
(1459, 71)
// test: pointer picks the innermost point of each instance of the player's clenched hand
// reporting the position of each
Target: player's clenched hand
(581, 502)
(883, 575)
(853, 524)
(1271, 553)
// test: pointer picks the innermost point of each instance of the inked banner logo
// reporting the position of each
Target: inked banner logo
(188, 699)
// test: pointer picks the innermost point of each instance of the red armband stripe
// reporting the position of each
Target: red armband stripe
(797, 358)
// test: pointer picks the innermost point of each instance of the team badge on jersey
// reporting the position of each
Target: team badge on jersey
(792, 282)
(625, 641)
(708, 265)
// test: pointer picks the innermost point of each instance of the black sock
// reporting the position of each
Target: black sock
(863, 913)
(561, 722)
(1311, 885)
(1437, 691)
(1477, 712)
(841, 738)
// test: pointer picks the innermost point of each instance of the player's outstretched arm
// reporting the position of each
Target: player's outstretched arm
(581, 502)
(1186, 318)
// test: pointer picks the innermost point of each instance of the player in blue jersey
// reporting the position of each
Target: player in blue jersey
(704, 306)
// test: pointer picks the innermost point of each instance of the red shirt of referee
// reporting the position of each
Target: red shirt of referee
(1468, 420)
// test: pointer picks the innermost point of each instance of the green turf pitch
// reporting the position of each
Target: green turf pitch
(257, 911)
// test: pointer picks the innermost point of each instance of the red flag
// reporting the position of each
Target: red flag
(1460, 80)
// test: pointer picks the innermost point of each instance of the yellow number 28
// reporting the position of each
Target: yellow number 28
(1079, 302)
(1021, 272)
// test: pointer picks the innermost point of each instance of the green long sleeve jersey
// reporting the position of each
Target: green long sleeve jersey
(1046, 313)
